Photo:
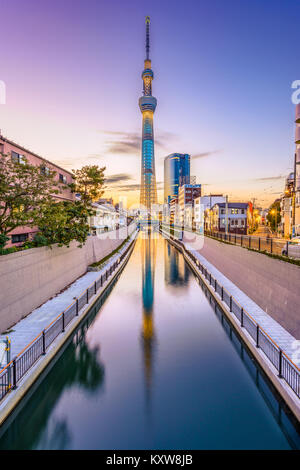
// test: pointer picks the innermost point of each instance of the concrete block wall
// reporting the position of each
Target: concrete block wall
(31, 277)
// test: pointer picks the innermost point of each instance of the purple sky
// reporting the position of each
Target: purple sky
(223, 73)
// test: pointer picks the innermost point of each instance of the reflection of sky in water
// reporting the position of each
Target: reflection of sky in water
(154, 370)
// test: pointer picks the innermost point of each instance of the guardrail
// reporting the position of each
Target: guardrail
(13, 372)
(268, 244)
(287, 370)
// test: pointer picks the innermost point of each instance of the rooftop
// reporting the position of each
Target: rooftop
(11, 142)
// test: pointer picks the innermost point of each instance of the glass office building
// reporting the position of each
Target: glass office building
(176, 174)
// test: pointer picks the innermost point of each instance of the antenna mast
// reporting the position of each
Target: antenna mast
(147, 36)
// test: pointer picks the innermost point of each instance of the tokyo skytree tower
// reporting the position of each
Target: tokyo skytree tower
(147, 104)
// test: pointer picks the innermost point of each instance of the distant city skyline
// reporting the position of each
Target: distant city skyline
(223, 80)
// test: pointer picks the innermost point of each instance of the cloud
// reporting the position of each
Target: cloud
(129, 187)
(117, 178)
(269, 178)
(130, 142)
(137, 186)
(205, 154)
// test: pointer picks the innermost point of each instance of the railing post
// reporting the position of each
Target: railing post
(242, 317)
(287, 248)
(95, 285)
(222, 293)
(249, 241)
(241, 240)
(280, 364)
(258, 243)
(210, 279)
(271, 245)
(87, 296)
(44, 343)
(63, 322)
(215, 285)
(14, 384)
(230, 303)
(77, 308)
(257, 336)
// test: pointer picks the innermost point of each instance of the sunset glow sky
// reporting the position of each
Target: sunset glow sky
(223, 71)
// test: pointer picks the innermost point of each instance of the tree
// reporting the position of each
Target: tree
(24, 189)
(274, 216)
(62, 222)
(89, 183)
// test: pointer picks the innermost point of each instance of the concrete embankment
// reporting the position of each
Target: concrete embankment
(271, 327)
(31, 277)
(24, 387)
(273, 284)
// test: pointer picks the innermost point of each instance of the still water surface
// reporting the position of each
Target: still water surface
(155, 366)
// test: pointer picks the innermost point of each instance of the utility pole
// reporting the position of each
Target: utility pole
(294, 199)
(226, 214)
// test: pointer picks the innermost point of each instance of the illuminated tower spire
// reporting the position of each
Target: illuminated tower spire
(147, 105)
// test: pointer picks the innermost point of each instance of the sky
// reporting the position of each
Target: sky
(223, 71)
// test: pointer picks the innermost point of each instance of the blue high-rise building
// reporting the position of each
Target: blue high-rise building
(176, 174)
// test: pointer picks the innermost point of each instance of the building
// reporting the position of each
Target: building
(105, 219)
(235, 219)
(19, 153)
(186, 196)
(202, 206)
(296, 202)
(188, 193)
(147, 104)
(176, 174)
(287, 207)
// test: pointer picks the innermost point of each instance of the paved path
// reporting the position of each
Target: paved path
(273, 284)
(283, 338)
(29, 327)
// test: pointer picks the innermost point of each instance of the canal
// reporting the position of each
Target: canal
(155, 365)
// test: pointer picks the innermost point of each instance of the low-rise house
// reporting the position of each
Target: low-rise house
(18, 153)
(106, 218)
(235, 220)
(202, 207)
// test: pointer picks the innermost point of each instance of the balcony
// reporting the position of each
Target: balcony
(297, 117)
(297, 135)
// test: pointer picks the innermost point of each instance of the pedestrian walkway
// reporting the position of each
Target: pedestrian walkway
(28, 328)
(283, 338)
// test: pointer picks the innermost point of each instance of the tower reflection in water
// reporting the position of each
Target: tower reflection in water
(148, 256)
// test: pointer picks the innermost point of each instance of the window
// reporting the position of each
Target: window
(242, 222)
(62, 178)
(45, 170)
(242, 211)
(17, 157)
(19, 238)
(222, 211)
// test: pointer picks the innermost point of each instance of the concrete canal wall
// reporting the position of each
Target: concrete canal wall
(272, 284)
(31, 277)
(277, 332)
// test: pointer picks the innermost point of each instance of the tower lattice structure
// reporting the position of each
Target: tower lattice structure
(147, 103)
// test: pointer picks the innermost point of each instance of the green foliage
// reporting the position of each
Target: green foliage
(274, 216)
(63, 222)
(89, 183)
(24, 189)
(7, 251)
(3, 240)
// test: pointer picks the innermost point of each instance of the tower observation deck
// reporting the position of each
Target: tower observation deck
(147, 104)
